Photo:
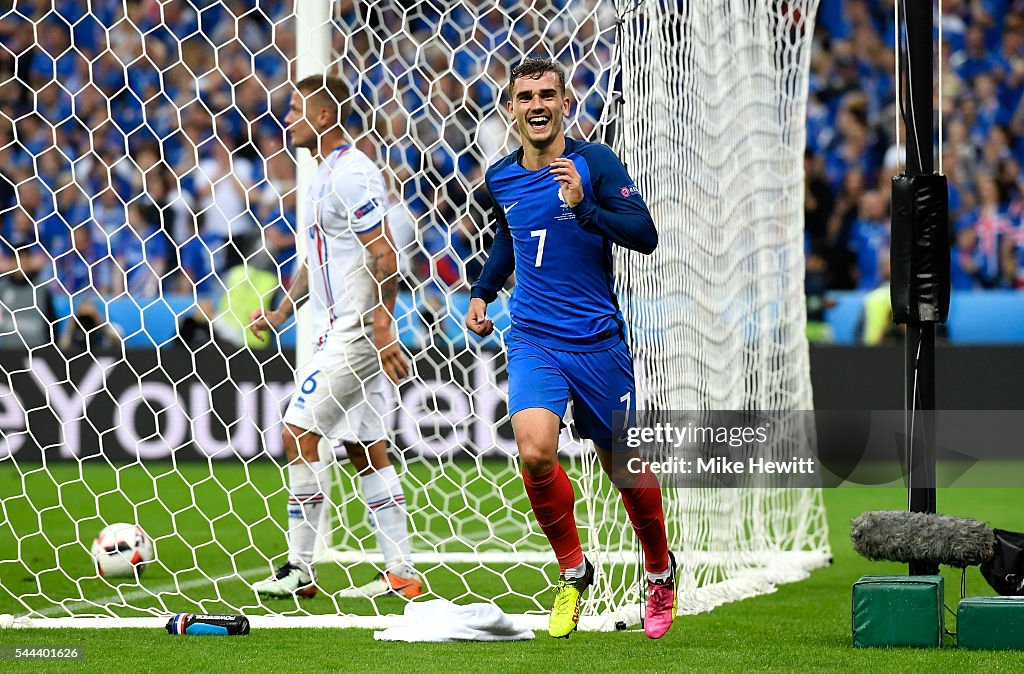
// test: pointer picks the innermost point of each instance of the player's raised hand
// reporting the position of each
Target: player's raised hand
(392, 361)
(572, 185)
(476, 318)
(261, 321)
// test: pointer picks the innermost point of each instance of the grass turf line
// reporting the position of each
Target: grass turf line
(229, 522)
(802, 626)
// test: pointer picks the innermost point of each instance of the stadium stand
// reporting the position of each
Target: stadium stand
(124, 238)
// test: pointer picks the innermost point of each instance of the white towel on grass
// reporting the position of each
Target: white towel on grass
(441, 620)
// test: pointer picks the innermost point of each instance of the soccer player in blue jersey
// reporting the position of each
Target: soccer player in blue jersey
(560, 204)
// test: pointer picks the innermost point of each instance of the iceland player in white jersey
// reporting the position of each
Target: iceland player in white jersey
(350, 274)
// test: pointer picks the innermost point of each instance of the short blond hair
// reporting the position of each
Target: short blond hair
(328, 91)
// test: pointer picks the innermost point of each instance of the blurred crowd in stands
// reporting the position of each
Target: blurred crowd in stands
(143, 151)
(852, 150)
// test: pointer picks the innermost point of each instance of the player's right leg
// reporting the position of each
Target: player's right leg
(305, 501)
(538, 394)
(313, 412)
(553, 501)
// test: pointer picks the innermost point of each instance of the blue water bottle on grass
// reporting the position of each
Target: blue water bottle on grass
(202, 624)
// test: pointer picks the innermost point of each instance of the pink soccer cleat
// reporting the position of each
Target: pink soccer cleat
(661, 603)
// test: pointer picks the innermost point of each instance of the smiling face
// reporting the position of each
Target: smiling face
(538, 105)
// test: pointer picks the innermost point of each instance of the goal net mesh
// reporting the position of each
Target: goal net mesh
(149, 204)
(711, 124)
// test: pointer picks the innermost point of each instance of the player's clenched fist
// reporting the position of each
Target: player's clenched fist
(572, 185)
(261, 321)
(394, 364)
(476, 318)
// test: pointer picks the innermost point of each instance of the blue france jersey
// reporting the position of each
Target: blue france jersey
(562, 256)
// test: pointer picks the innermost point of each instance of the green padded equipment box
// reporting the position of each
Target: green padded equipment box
(990, 623)
(898, 611)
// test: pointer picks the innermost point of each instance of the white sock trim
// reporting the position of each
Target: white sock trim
(577, 571)
(660, 577)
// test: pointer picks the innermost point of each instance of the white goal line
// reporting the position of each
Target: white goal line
(795, 566)
(620, 557)
(376, 622)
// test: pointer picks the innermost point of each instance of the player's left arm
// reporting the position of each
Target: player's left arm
(363, 196)
(615, 210)
(383, 265)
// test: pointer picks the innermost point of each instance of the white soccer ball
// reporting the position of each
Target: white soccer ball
(122, 550)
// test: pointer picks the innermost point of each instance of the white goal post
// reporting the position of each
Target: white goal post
(704, 101)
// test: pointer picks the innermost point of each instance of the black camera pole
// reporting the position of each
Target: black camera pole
(920, 258)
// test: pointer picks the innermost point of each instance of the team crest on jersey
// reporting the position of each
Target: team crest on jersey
(566, 212)
(629, 190)
(367, 208)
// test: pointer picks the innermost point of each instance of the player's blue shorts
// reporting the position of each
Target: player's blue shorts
(599, 383)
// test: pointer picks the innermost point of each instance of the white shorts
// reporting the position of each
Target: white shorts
(341, 394)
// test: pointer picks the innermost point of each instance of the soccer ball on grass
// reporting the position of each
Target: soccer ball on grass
(122, 551)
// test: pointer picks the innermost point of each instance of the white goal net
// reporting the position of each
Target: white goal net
(149, 203)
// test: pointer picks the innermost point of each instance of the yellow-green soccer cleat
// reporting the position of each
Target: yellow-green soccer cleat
(565, 613)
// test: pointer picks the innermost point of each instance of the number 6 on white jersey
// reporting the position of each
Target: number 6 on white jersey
(542, 233)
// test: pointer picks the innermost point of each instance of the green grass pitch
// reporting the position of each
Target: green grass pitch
(803, 626)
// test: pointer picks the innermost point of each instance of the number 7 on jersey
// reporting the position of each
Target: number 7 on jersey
(542, 233)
